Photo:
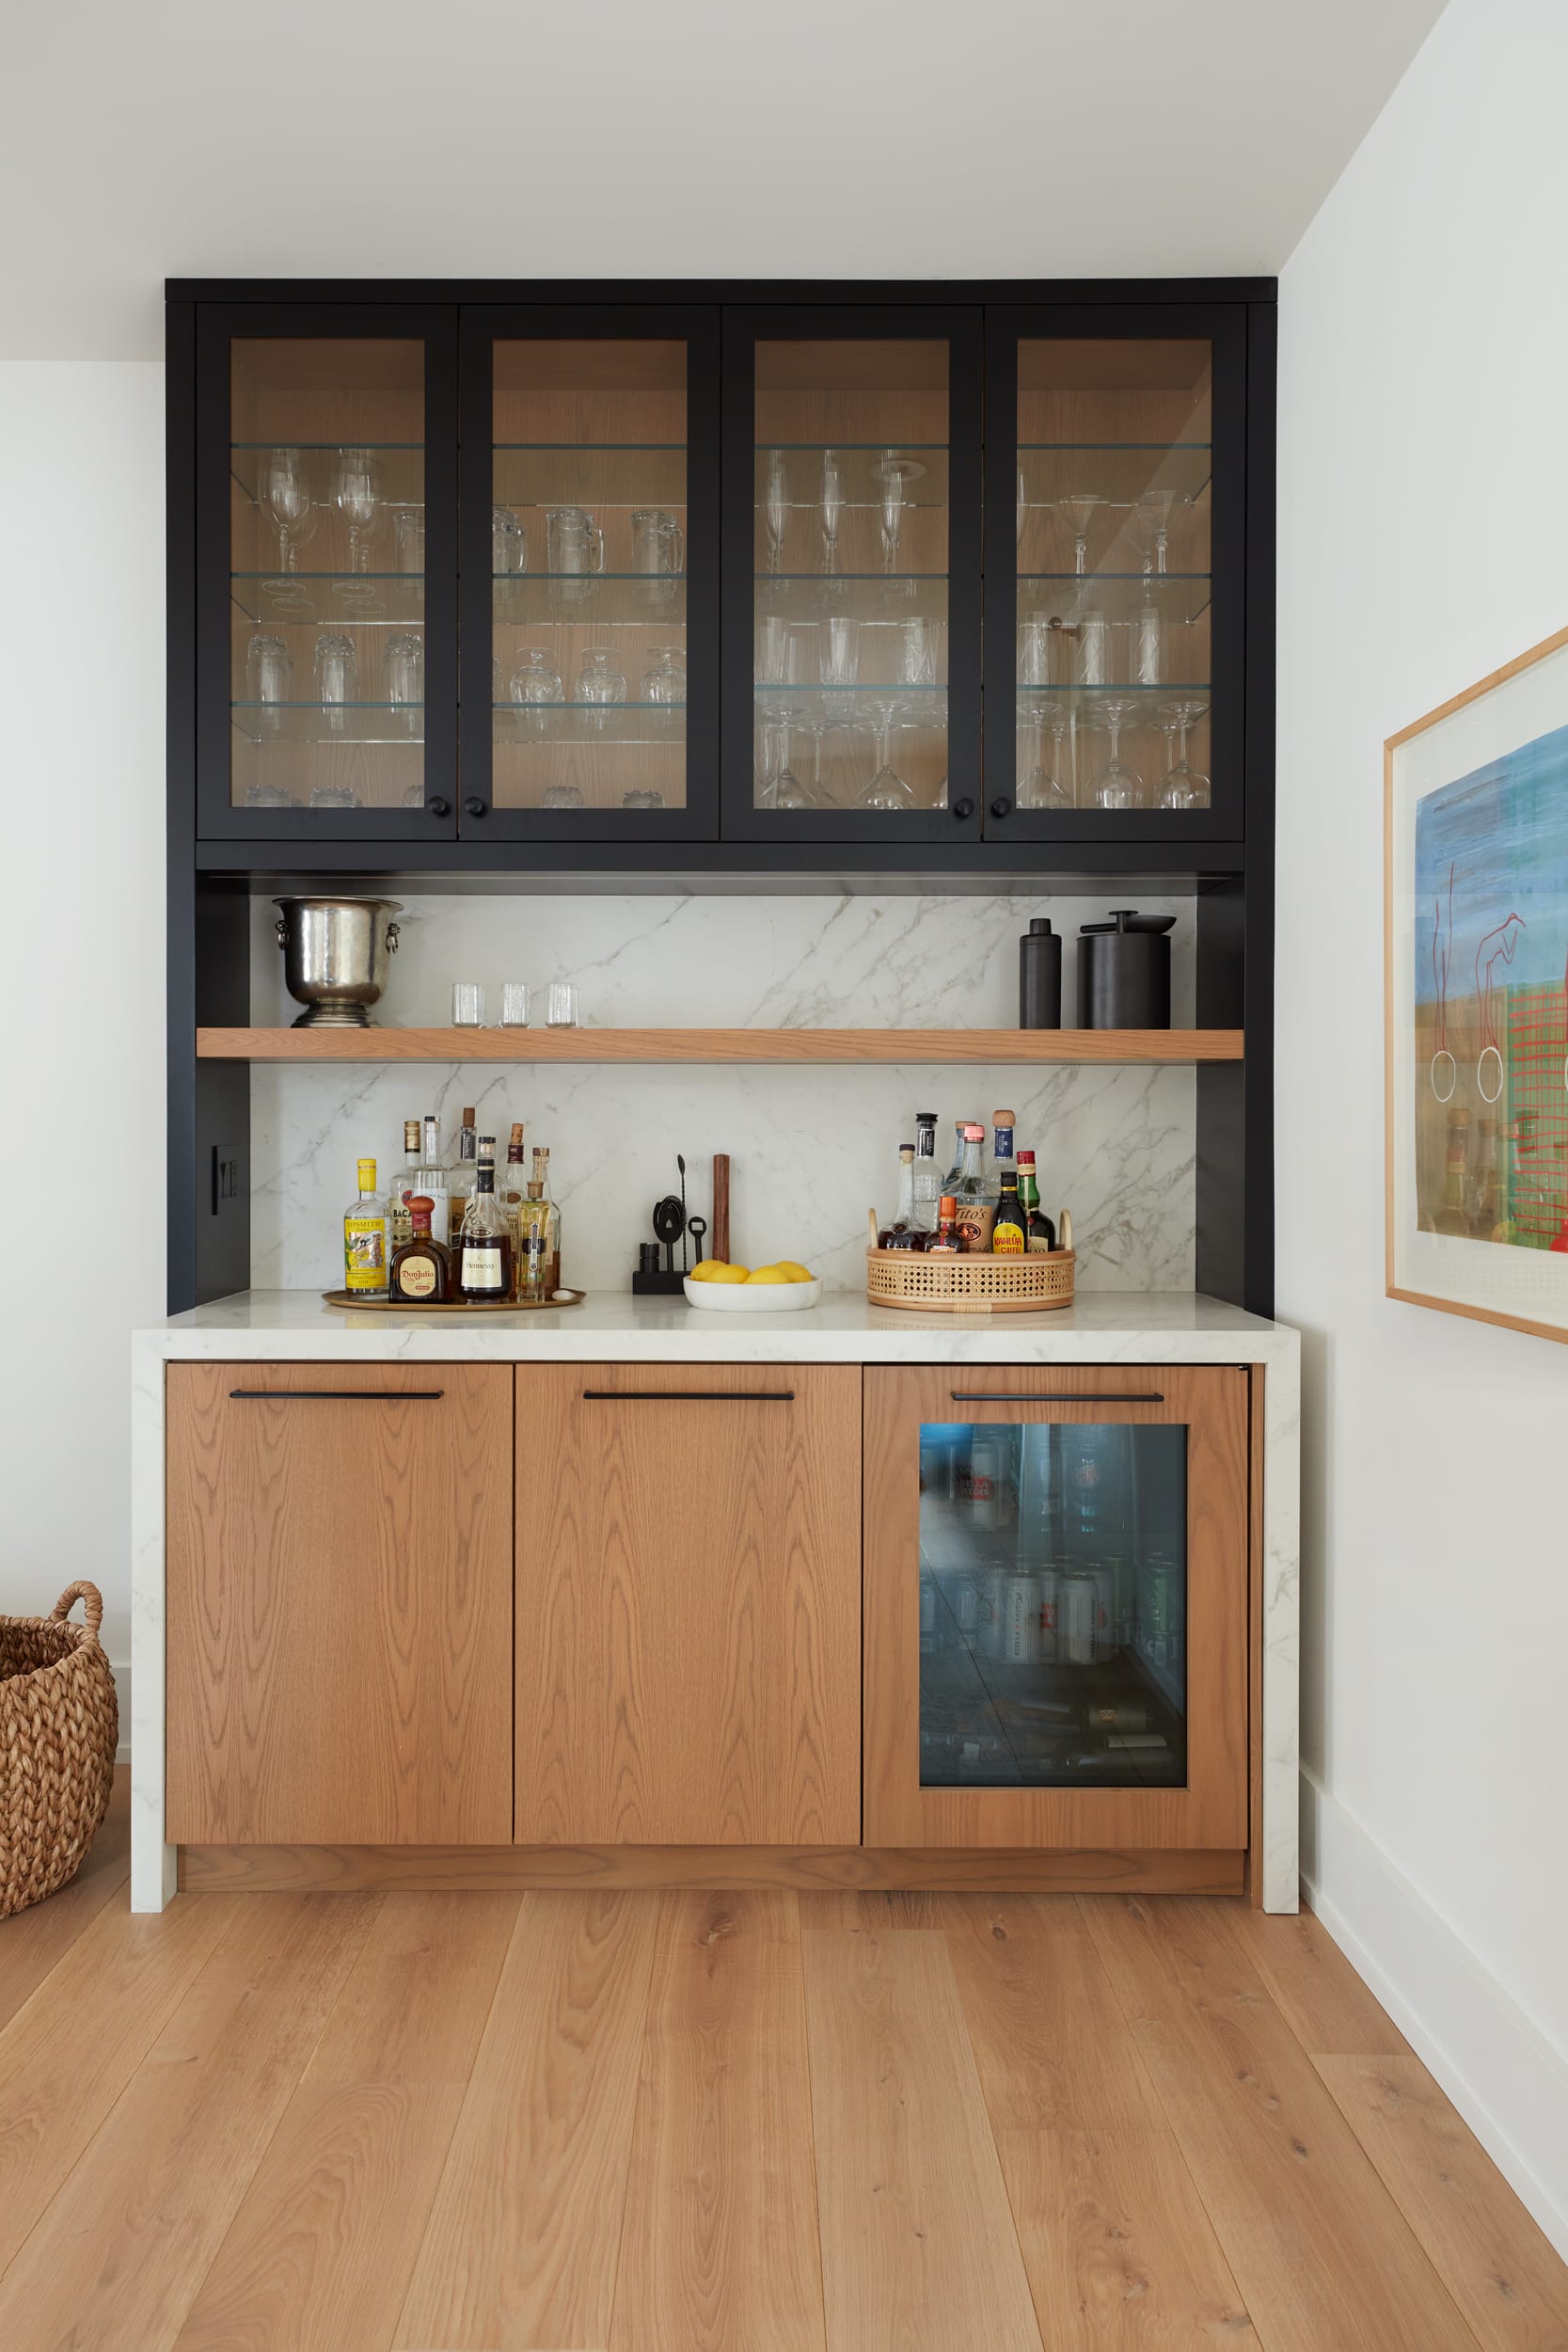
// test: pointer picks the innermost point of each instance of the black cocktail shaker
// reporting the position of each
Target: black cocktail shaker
(1124, 972)
(1040, 977)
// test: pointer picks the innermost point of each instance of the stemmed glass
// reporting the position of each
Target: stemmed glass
(775, 508)
(1116, 785)
(831, 508)
(284, 496)
(1079, 511)
(599, 682)
(357, 495)
(1183, 785)
(535, 681)
(887, 789)
(1151, 528)
(1042, 787)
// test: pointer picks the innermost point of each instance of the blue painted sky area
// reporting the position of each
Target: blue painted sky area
(1503, 832)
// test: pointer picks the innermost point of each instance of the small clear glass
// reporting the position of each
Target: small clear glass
(917, 652)
(403, 672)
(838, 649)
(408, 538)
(562, 1005)
(562, 796)
(513, 1005)
(467, 1004)
(337, 668)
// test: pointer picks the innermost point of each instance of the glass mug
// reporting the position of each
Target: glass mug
(658, 542)
(508, 543)
(574, 541)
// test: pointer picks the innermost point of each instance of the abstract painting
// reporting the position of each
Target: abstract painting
(1475, 843)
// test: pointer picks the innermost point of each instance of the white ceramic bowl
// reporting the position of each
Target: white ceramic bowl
(752, 1298)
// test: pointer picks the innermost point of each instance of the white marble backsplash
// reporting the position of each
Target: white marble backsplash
(811, 1148)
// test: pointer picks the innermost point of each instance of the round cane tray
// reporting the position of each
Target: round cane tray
(452, 1307)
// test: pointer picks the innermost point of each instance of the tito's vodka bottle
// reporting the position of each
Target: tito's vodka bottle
(976, 1200)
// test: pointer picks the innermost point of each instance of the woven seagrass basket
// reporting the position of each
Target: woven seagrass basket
(59, 1726)
(979, 1285)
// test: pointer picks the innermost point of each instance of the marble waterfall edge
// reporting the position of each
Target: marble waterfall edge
(811, 1148)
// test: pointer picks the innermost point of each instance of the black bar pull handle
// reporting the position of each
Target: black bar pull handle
(688, 1396)
(989, 1396)
(338, 1397)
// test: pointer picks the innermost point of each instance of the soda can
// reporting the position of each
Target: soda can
(1050, 1584)
(984, 1484)
(965, 1603)
(1077, 1607)
(1021, 1620)
(988, 1612)
(1105, 1608)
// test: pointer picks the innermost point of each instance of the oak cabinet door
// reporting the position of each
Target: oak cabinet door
(687, 1605)
(340, 1604)
(1056, 1564)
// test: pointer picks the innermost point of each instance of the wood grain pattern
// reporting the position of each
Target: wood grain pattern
(339, 1609)
(826, 1870)
(118, 2257)
(1490, 2255)
(523, 2237)
(324, 2243)
(688, 1577)
(718, 2247)
(1030, 1046)
(1212, 1810)
(119, 1984)
(1317, 2247)
(33, 1941)
(918, 2252)
(1121, 2254)
(1316, 1989)
(1257, 1377)
(1049, 2041)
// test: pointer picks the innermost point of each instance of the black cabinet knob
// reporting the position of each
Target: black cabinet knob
(438, 807)
(963, 809)
(1001, 806)
(474, 806)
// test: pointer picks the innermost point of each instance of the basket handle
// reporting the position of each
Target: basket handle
(93, 1611)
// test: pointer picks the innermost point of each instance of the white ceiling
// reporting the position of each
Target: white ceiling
(692, 137)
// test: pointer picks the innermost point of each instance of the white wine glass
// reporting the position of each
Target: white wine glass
(1080, 509)
(283, 495)
(1116, 786)
(357, 495)
(1043, 787)
(1183, 785)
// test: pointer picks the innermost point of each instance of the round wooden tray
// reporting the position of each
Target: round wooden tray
(979, 1285)
(451, 1306)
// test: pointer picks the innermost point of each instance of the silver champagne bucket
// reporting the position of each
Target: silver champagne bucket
(335, 953)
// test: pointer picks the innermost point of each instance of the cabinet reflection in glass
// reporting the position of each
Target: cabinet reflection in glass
(1052, 1605)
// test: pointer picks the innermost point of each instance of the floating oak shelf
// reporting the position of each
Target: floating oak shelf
(1029, 1046)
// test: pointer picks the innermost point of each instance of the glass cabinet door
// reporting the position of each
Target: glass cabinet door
(589, 701)
(1056, 1579)
(852, 478)
(1114, 578)
(333, 674)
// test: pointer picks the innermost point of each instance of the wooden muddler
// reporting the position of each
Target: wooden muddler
(722, 1207)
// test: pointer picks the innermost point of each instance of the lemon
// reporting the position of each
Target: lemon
(769, 1274)
(707, 1270)
(793, 1271)
(719, 1272)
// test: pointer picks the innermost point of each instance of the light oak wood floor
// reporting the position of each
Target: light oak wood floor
(761, 2121)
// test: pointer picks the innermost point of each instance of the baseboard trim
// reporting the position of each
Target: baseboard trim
(426, 1869)
(1500, 2071)
(120, 1669)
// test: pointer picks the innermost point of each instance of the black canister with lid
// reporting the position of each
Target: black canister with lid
(1124, 972)
(1040, 977)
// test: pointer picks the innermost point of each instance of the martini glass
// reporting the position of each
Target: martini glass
(1080, 509)
(887, 789)
(1183, 785)
(1116, 786)
(1151, 528)
(1043, 788)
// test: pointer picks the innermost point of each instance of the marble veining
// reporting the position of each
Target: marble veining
(1107, 1327)
(812, 1148)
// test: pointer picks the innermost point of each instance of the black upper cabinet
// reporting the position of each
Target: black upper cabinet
(327, 572)
(958, 581)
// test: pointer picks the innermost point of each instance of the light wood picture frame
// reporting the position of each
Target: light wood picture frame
(1476, 1000)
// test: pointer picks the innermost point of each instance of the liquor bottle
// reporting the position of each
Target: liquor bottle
(484, 1251)
(538, 1212)
(430, 1178)
(512, 1189)
(944, 1242)
(927, 1184)
(976, 1202)
(404, 1182)
(422, 1270)
(1042, 1232)
(1009, 1232)
(960, 1128)
(533, 1275)
(901, 1233)
(460, 1175)
(1001, 1160)
(365, 1250)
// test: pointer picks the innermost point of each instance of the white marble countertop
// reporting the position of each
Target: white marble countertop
(1115, 1327)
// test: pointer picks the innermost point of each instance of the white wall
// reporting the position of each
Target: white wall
(1423, 541)
(81, 961)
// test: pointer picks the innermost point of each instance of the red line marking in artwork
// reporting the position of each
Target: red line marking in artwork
(1507, 936)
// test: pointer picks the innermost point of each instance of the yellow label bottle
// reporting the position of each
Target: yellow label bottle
(366, 1254)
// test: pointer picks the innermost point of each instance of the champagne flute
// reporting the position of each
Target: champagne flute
(831, 508)
(775, 508)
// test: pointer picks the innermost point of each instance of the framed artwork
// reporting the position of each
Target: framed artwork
(1476, 999)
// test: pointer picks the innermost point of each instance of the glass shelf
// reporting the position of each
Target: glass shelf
(1175, 690)
(1117, 472)
(303, 599)
(264, 723)
(875, 688)
(595, 599)
(861, 482)
(1164, 447)
(875, 449)
(1181, 598)
(598, 475)
(400, 469)
(576, 445)
(550, 728)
